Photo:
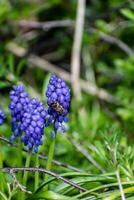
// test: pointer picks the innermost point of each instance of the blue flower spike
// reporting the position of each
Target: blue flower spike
(28, 118)
(2, 117)
(58, 100)
(18, 102)
(32, 124)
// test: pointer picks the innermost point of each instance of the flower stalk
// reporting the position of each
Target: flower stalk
(36, 177)
(25, 176)
(50, 158)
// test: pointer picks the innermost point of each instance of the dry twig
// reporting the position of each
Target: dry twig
(55, 162)
(36, 61)
(113, 40)
(44, 25)
(120, 185)
(75, 58)
(41, 170)
(23, 188)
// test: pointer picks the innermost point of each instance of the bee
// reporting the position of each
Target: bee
(57, 107)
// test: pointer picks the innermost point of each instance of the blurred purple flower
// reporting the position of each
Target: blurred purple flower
(2, 117)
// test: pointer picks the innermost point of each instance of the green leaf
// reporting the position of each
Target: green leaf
(63, 175)
(117, 193)
(4, 84)
(4, 9)
(11, 63)
(50, 195)
(83, 181)
(127, 13)
(3, 196)
(20, 67)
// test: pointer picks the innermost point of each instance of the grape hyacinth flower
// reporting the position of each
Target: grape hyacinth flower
(18, 101)
(58, 100)
(33, 122)
(2, 117)
(28, 118)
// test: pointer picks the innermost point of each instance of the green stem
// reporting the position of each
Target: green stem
(50, 158)
(25, 172)
(20, 157)
(36, 181)
(24, 181)
(3, 196)
(1, 174)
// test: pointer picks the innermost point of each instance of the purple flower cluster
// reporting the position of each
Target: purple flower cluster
(33, 122)
(2, 117)
(18, 102)
(28, 118)
(58, 100)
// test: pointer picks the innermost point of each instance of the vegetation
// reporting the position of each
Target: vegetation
(94, 160)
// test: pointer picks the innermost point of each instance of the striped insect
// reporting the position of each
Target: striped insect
(57, 107)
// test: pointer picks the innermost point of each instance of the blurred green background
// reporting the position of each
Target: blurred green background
(99, 128)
